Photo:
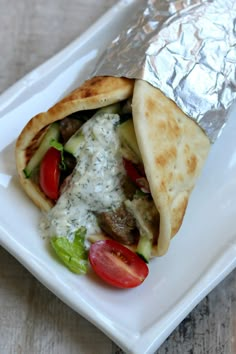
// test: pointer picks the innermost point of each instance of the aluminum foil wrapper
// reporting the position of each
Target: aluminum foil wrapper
(185, 48)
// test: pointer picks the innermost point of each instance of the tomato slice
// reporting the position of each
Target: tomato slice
(116, 264)
(49, 174)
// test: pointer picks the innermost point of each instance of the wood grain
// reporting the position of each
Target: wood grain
(33, 320)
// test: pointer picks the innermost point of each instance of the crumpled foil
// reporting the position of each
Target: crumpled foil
(187, 49)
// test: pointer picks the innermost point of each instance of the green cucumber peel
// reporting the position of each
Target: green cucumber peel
(144, 248)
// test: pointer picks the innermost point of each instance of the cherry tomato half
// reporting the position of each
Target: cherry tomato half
(49, 174)
(116, 264)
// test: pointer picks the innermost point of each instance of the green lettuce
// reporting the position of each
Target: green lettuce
(72, 253)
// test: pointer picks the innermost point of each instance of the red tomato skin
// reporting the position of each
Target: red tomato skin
(117, 265)
(49, 174)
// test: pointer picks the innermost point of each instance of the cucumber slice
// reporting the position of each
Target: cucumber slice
(114, 108)
(52, 133)
(128, 137)
(144, 248)
(74, 143)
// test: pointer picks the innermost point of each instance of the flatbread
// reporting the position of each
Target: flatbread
(174, 149)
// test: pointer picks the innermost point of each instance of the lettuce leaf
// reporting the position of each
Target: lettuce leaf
(73, 254)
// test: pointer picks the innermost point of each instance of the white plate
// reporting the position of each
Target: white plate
(202, 254)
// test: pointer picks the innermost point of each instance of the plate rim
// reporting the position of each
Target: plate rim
(227, 257)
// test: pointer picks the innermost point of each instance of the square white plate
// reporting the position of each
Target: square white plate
(202, 254)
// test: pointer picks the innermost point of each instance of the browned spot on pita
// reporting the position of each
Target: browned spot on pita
(167, 157)
(172, 153)
(86, 93)
(96, 80)
(191, 164)
(99, 86)
(163, 186)
(150, 106)
(186, 148)
(180, 177)
(89, 89)
(35, 142)
(174, 130)
(161, 126)
(178, 215)
(161, 160)
(191, 160)
(56, 110)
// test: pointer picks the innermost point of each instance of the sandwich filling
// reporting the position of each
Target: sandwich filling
(105, 192)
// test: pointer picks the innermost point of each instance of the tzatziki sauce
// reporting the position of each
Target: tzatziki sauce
(95, 184)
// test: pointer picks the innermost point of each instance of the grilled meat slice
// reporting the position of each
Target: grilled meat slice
(120, 225)
(68, 126)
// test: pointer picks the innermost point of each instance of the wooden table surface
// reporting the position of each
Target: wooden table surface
(32, 319)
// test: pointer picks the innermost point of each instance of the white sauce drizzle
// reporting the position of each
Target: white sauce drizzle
(95, 185)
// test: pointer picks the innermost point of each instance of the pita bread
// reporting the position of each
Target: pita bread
(174, 149)
(172, 146)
